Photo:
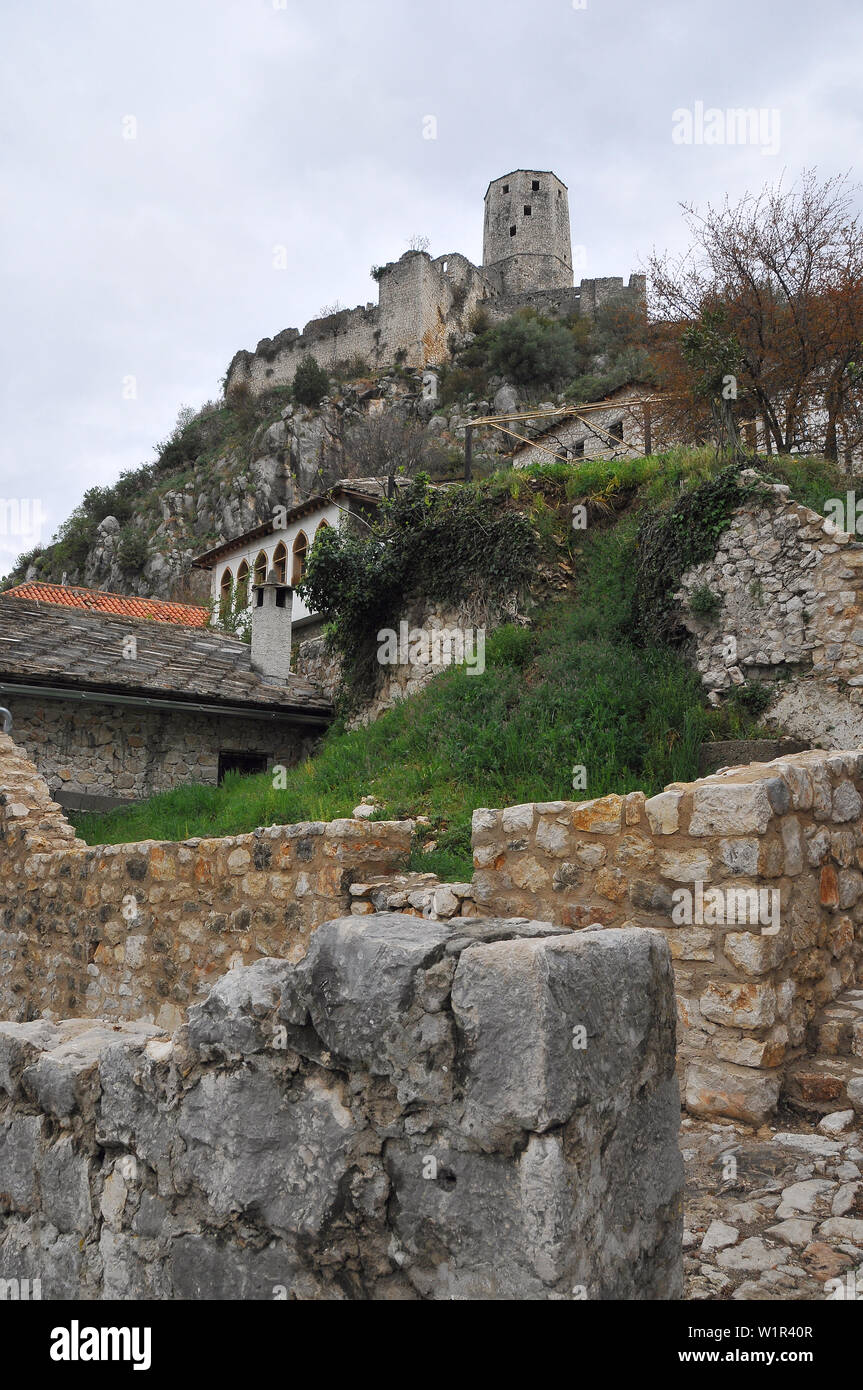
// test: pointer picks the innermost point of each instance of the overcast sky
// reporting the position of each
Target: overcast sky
(303, 124)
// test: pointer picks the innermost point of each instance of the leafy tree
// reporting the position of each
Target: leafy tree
(532, 351)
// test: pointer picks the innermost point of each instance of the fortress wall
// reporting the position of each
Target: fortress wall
(747, 988)
(417, 1110)
(420, 304)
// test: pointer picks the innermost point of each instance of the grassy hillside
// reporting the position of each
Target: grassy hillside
(576, 688)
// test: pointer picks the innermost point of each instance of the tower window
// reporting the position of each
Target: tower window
(535, 185)
(512, 231)
(505, 188)
(527, 209)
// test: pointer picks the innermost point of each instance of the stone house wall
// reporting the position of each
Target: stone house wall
(318, 663)
(91, 753)
(789, 586)
(140, 931)
(376, 1122)
(746, 994)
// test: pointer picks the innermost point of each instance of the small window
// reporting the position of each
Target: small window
(527, 209)
(301, 550)
(506, 188)
(242, 584)
(535, 185)
(616, 430)
(280, 563)
(245, 763)
(323, 526)
(261, 568)
(578, 449)
(512, 231)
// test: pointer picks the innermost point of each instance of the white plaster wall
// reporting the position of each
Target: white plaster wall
(331, 513)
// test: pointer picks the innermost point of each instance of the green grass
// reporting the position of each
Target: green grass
(574, 689)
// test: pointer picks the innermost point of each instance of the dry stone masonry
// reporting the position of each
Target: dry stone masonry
(378, 1121)
(789, 588)
(140, 931)
(750, 993)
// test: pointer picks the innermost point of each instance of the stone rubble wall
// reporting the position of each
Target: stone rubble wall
(82, 749)
(318, 663)
(790, 588)
(415, 895)
(745, 997)
(139, 931)
(401, 1115)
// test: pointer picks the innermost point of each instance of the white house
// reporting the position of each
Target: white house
(282, 544)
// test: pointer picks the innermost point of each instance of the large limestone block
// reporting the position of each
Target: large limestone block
(249, 1148)
(549, 1025)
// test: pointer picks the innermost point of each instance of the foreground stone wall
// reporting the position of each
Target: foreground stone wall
(404, 1114)
(95, 753)
(746, 993)
(141, 930)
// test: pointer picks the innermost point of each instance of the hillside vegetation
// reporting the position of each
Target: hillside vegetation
(582, 686)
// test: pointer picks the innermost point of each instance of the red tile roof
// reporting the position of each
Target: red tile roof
(122, 605)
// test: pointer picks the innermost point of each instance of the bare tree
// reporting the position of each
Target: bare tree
(768, 303)
(387, 443)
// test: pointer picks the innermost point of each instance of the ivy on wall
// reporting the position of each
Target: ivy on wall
(455, 545)
(670, 541)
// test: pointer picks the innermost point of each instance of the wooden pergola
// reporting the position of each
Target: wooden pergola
(564, 412)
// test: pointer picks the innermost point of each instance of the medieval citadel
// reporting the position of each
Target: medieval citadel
(423, 303)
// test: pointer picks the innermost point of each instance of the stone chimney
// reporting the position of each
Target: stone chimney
(271, 627)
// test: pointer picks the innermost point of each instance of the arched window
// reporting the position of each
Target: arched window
(322, 526)
(225, 588)
(261, 568)
(242, 584)
(301, 550)
(280, 562)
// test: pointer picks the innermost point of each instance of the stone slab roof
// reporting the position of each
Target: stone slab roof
(46, 646)
(368, 490)
(101, 601)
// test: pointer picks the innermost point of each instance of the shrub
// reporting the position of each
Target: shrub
(704, 603)
(132, 550)
(753, 698)
(531, 351)
(311, 382)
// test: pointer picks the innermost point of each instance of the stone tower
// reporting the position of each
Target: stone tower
(526, 231)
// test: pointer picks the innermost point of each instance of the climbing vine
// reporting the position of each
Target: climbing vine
(456, 545)
(672, 540)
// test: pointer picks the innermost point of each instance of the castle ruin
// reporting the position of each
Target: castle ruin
(426, 304)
